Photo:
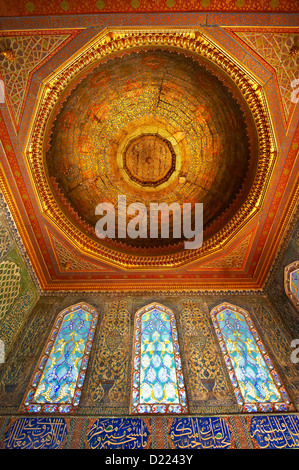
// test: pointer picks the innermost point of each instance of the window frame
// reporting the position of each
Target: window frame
(31, 407)
(250, 407)
(136, 344)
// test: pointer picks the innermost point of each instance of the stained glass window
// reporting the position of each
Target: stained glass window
(158, 385)
(291, 279)
(294, 282)
(255, 381)
(58, 380)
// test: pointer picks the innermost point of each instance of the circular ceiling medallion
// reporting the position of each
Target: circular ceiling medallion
(149, 160)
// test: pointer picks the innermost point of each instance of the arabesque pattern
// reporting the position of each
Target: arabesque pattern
(30, 52)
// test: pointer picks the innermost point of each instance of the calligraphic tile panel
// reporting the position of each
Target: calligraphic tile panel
(36, 433)
(118, 433)
(200, 433)
(275, 432)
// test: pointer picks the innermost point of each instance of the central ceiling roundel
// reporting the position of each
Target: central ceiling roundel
(155, 126)
(149, 159)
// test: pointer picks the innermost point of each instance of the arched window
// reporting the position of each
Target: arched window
(58, 380)
(255, 381)
(158, 384)
(291, 282)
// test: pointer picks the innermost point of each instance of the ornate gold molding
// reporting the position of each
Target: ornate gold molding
(111, 43)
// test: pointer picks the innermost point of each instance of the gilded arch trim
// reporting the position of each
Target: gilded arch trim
(113, 42)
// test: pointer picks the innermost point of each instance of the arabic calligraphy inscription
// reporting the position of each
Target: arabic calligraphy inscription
(36, 433)
(275, 432)
(118, 433)
(200, 433)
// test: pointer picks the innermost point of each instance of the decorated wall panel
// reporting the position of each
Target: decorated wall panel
(208, 384)
(18, 293)
(278, 283)
(107, 382)
(279, 317)
(194, 433)
(103, 417)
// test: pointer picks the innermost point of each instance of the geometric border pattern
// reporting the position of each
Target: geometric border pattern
(56, 7)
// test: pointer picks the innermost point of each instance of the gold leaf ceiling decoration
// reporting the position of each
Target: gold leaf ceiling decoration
(117, 134)
(187, 126)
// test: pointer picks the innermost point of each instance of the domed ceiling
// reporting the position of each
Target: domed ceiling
(166, 113)
(155, 126)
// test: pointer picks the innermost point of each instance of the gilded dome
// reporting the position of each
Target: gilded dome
(154, 125)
